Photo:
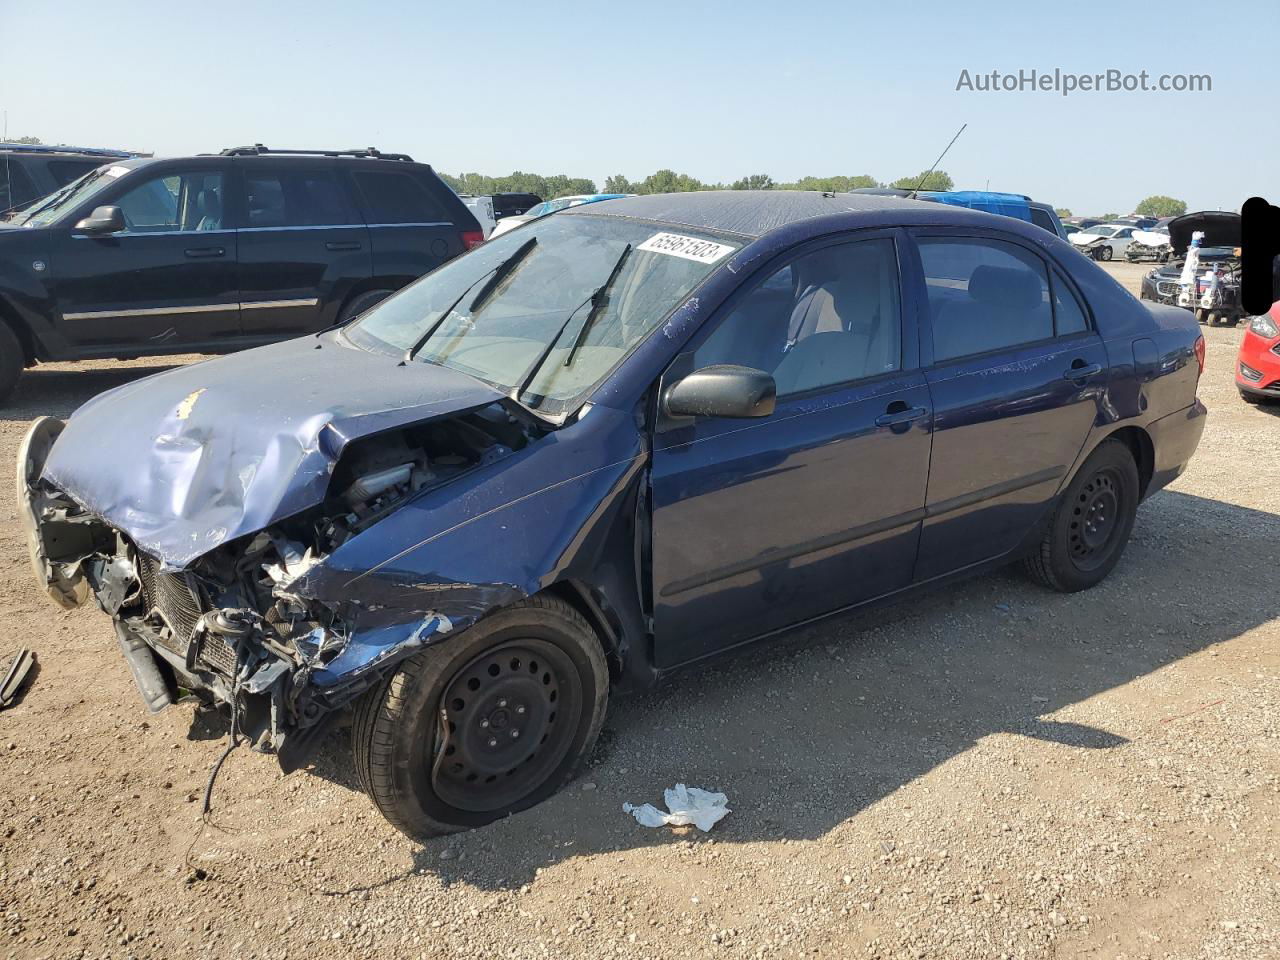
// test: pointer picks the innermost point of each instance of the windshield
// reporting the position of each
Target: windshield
(70, 196)
(565, 311)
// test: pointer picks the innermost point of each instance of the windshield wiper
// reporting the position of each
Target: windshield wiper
(495, 276)
(598, 299)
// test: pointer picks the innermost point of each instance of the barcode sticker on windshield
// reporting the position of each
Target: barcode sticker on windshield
(690, 248)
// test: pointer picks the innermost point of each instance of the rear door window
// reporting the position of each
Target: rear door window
(15, 186)
(64, 171)
(984, 295)
(395, 197)
(296, 198)
(1041, 218)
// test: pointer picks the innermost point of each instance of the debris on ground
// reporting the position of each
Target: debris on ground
(14, 678)
(686, 805)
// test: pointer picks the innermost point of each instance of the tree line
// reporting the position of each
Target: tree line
(669, 181)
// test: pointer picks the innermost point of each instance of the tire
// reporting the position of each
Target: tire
(1200, 316)
(518, 671)
(1213, 318)
(1091, 524)
(12, 361)
(361, 303)
(1105, 254)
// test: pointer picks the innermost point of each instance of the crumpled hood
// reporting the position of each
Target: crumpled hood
(1084, 237)
(193, 457)
(1150, 238)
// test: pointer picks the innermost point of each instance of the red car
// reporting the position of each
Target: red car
(1258, 365)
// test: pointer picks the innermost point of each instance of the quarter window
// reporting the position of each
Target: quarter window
(179, 201)
(984, 295)
(1068, 317)
(828, 317)
(392, 197)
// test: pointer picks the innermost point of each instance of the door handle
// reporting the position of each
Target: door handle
(342, 245)
(1082, 371)
(197, 252)
(899, 414)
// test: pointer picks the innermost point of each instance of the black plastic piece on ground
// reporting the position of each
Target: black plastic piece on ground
(17, 674)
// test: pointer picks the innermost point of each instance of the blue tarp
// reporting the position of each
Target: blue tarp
(1006, 204)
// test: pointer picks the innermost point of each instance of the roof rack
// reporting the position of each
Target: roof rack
(371, 152)
(59, 148)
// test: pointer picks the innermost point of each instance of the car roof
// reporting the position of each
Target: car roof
(750, 213)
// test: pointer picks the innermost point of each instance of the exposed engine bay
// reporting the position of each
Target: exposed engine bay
(229, 627)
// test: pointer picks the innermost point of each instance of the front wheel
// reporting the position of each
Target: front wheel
(484, 724)
(1092, 522)
(1105, 253)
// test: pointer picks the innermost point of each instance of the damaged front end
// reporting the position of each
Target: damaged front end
(255, 622)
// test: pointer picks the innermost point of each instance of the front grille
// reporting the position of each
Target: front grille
(1167, 288)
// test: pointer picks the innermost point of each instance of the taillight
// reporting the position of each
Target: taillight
(472, 239)
(1200, 353)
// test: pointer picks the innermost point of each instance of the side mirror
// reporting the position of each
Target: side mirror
(723, 390)
(103, 220)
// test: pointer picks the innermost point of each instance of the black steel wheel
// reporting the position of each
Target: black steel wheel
(1095, 519)
(486, 723)
(507, 720)
(1091, 523)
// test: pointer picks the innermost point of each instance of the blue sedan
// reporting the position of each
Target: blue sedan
(613, 443)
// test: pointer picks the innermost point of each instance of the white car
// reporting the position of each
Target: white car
(482, 207)
(1104, 240)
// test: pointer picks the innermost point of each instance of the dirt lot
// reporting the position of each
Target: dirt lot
(990, 771)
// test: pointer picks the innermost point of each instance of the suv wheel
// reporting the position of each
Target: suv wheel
(361, 303)
(1092, 522)
(484, 724)
(12, 361)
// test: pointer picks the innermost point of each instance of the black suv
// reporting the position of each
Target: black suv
(210, 254)
(31, 171)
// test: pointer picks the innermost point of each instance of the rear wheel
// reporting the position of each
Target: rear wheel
(361, 303)
(485, 724)
(12, 361)
(1092, 522)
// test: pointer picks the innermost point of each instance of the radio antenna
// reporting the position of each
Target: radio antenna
(929, 172)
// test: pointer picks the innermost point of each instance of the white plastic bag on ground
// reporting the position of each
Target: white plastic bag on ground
(687, 805)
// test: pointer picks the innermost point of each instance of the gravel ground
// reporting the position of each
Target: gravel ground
(988, 771)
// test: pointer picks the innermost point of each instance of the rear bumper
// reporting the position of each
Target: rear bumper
(1174, 438)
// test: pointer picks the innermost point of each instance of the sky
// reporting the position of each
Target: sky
(712, 88)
